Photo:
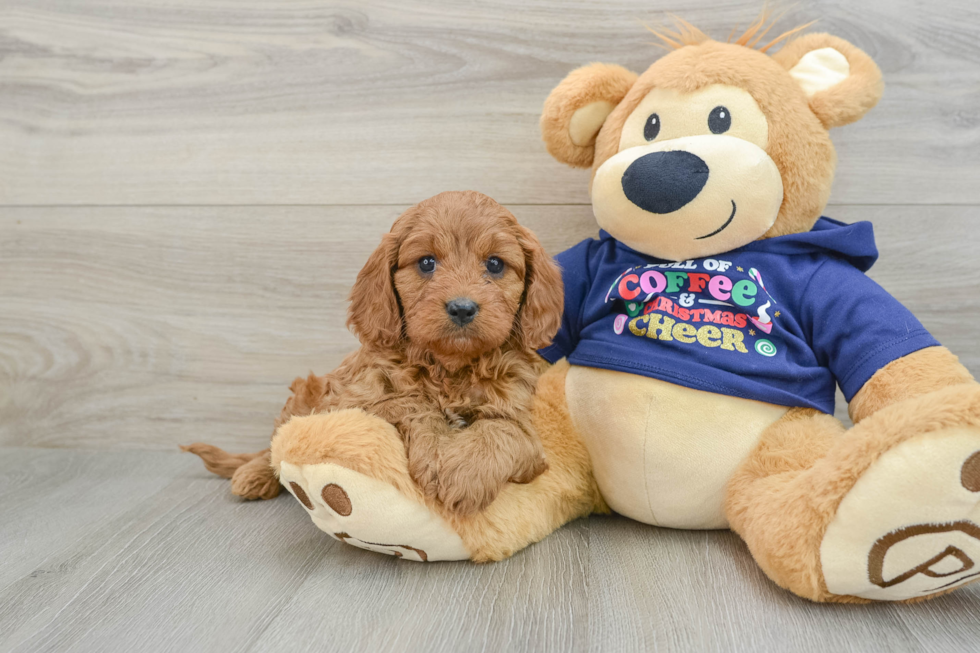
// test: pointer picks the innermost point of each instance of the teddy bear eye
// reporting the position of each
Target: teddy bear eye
(427, 264)
(495, 265)
(719, 120)
(652, 127)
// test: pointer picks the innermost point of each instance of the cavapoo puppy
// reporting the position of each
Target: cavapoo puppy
(450, 310)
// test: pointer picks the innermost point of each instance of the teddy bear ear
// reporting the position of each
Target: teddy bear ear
(575, 110)
(840, 81)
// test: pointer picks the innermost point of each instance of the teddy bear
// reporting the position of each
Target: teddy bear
(704, 333)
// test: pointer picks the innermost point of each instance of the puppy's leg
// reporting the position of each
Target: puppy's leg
(422, 434)
(523, 514)
(475, 464)
(530, 465)
(349, 471)
(256, 479)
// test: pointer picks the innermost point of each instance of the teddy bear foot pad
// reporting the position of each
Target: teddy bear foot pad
(910, 525)
(370, 514)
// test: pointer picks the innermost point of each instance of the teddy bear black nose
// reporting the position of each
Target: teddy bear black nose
(462, 310)
(662, 182)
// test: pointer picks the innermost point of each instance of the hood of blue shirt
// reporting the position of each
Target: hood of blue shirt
(855, 243)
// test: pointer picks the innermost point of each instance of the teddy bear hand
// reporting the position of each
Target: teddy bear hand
(348, 471)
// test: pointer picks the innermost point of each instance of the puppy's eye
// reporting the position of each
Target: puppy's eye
(495, 265)
(427, 264)
(652, 127)
(719, 120)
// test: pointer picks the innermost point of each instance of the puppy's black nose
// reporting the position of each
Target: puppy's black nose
(662, 182)
(462, 310)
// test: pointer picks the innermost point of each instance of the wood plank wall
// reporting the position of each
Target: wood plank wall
(187, 189)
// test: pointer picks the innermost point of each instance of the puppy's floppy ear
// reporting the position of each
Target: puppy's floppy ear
(840, 81)
(577, 107)
(374, 315)
(544, 294)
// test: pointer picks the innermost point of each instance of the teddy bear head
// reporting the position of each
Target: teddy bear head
(716, 144)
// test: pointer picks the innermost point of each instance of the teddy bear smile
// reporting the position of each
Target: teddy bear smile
(722, 227)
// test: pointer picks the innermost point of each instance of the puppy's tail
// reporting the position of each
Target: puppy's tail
(219, 461)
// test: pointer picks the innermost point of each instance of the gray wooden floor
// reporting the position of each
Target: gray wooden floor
(187, 190)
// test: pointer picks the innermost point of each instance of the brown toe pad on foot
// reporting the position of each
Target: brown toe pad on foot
(335, 497)
(970, 474)
(368, 513)
(301, 495)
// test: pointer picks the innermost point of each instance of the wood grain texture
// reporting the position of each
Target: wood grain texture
(705, 593)
(180, 565)
(158, 326)
(149, 327)
(310, 102)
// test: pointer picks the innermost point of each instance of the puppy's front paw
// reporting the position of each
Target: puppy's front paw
(468, 486)
(425, 472)
(533, 469)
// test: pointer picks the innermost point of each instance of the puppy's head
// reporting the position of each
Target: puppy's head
(458, 276)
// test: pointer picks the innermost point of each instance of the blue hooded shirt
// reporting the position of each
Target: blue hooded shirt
(779, 320)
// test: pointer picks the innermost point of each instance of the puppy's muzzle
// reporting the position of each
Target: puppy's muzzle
(462, 311)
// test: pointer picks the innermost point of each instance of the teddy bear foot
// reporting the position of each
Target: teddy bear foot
(909, 527)
(370, 514)
(377, 508)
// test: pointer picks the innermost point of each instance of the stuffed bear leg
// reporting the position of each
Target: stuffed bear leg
(888, 510)
(349, 470)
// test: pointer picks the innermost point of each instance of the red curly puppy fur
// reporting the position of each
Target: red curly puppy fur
(458, 390)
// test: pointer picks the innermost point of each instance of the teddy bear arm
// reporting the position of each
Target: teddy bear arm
(349, 470)
(916, 374)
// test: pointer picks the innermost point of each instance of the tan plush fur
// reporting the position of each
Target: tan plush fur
(787, 492)
(849, 100)
(923, 371)
(460, 396)
(593, 83)
(768, 502)
(687, 34)
(349, 437)
(798, 143)
(522, 513)
(798, 140)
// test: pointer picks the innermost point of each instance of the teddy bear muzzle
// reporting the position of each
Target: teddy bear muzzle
(688, 197)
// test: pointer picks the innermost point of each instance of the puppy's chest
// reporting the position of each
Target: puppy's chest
(461, 405)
